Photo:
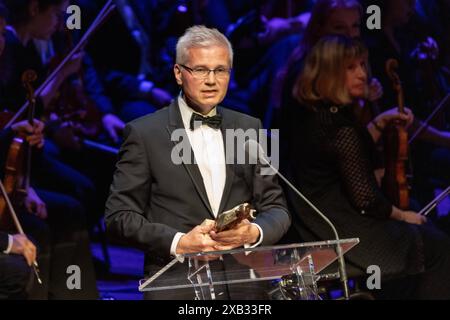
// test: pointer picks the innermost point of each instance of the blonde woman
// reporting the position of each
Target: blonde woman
(332, 163)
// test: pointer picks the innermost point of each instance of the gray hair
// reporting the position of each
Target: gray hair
(200, 37)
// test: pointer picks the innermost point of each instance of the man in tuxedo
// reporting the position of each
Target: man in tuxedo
(158, 204)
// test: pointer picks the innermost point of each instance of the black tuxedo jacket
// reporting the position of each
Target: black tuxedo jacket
(151, 198)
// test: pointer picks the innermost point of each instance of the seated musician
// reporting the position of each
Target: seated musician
(58, 171)
(136, 76)
(331, 162)
(425, 84)
(29, 46)
(17, 252)
(56, 221)
(58, 227)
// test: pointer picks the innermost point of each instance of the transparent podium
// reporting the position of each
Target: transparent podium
(285, 272)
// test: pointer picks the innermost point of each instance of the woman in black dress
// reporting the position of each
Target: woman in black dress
(331, 162)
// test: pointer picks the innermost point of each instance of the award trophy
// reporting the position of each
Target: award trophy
(229, 219)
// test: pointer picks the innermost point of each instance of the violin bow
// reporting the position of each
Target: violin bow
(101, 17)
(425, 124)
(433, 204)
(18, 227)
(28, 77)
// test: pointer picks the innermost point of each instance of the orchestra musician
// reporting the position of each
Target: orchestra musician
(56, 222)
(332, 163)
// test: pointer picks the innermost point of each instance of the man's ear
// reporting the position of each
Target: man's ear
(177, 73)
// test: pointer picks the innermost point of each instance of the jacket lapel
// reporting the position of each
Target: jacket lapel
(176, 122)
(227, 123)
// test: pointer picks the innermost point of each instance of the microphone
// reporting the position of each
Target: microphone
(255, 152)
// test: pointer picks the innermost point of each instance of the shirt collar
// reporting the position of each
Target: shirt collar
(186, 111)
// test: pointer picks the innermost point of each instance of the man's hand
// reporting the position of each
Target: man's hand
(243, 233)
(21, 245)
(35, 135)
(113, 125)
(35, 205)
(197, 240)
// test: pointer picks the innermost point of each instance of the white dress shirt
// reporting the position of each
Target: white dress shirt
(207, 145)
(209, 153)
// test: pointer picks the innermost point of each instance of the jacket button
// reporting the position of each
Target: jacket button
(334, 109)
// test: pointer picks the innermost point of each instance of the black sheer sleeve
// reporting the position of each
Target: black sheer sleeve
(357, 174)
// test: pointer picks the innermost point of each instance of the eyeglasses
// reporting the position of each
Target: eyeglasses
(202, 73)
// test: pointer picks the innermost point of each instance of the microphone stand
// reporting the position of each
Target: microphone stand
(341, 261)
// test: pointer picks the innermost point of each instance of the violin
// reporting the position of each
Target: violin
(75, 111)
(18, 160)
(395, 184)
(17, 177)
(72, 113)
(99, 20)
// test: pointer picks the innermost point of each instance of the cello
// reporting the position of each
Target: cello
(395, 183)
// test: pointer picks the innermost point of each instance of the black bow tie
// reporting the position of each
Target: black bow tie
(213, 122)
